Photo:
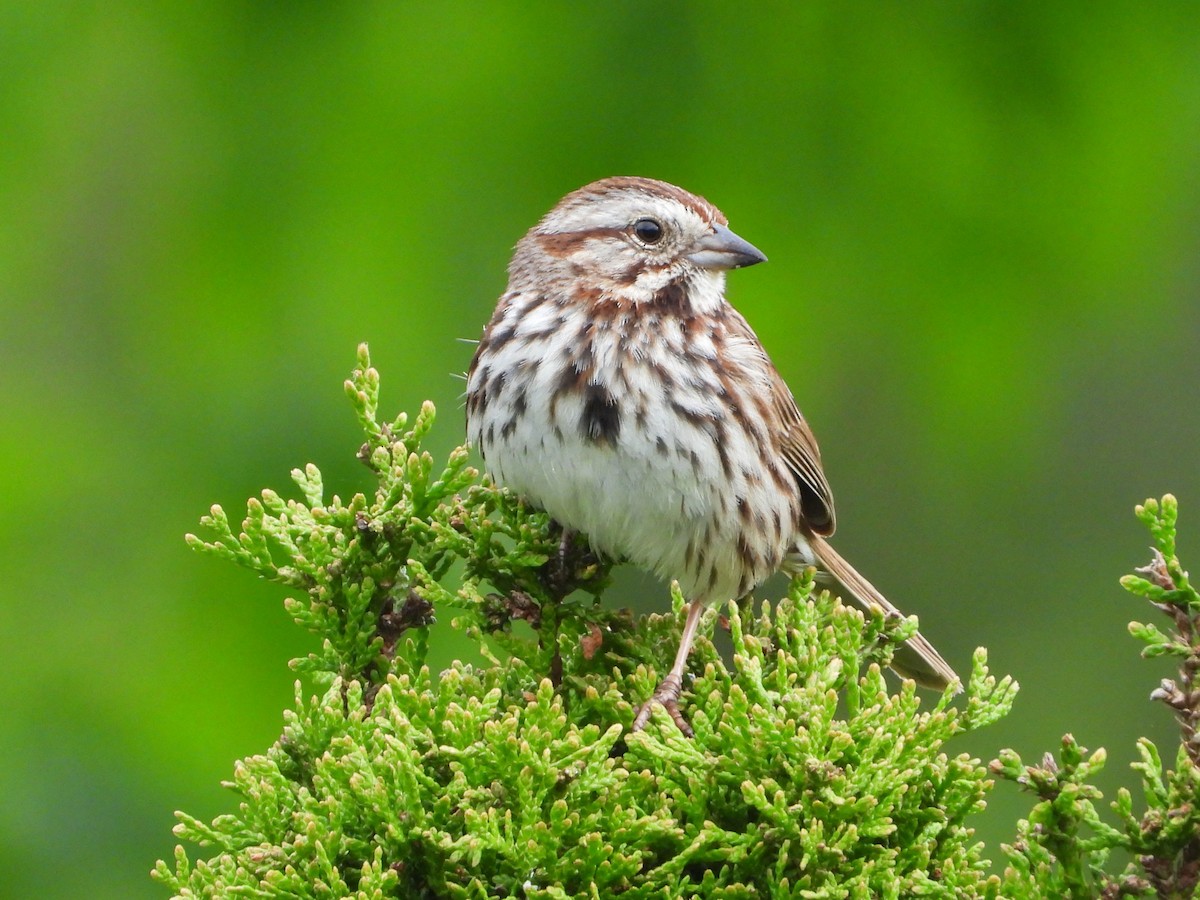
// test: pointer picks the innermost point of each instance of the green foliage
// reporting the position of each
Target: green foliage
(807, 775)
(1061, 848)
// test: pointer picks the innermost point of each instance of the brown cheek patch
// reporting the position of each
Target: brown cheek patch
(563, 244)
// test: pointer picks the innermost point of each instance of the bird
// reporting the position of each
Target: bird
(616, 388)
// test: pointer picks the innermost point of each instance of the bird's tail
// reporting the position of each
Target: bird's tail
(915, 658)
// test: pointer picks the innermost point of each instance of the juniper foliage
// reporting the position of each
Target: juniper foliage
(807, 776)
(1062, 848)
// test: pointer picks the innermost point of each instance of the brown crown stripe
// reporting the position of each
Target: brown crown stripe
(602, 192)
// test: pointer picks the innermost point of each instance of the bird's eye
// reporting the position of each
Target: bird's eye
(648, 231)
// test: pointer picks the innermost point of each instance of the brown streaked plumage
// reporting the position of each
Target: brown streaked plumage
(617, 389)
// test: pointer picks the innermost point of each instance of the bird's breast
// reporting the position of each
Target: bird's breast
(631, 432)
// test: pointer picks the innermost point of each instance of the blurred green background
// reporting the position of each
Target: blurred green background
(983, 225)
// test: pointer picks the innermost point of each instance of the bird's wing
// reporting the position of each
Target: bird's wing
(803, 457)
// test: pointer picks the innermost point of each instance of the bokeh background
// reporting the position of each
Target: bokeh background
(983, 225)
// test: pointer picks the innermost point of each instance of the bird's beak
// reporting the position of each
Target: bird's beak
(722, 249)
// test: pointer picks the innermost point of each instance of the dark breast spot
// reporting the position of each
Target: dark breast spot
(600, 422)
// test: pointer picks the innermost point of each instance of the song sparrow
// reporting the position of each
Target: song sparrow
(617, 389)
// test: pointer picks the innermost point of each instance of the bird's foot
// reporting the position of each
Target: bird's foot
(666, 696)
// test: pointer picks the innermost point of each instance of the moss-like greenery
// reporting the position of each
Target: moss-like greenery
(1061, 848)
(808, 775)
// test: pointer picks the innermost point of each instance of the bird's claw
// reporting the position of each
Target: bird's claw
(666, 696)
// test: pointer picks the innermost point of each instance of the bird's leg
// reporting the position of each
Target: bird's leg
(560, 572)
(565, 542)
(667, 693)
